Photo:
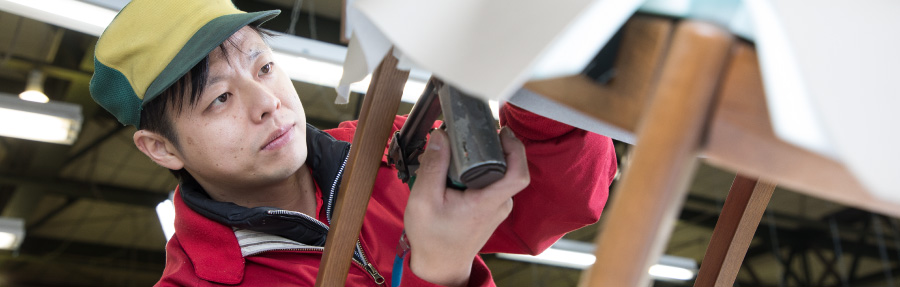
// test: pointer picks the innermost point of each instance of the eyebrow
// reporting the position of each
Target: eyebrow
(251, 57)
(254, 53)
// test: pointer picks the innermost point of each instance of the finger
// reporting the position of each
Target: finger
(431, 177)
(514, 151)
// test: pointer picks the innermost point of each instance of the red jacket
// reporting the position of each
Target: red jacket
(570, 169)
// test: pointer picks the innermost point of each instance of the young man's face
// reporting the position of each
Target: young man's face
(248, 128)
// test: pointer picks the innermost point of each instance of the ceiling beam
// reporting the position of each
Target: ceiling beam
(805, 235)
(44, 261)
(94, 143)
(115, 256)
(50, 70)
(845, 218)
(51, 214)
(78, 189)
(801, 237)
(877, 278)
(327, 29)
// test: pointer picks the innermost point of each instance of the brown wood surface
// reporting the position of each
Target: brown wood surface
(373, 130)
(621, 101)
(645, 205)
(747, 200)
(741, 139)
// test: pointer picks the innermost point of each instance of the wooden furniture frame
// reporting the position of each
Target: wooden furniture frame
(375, 119)
(687, 89)
(707, 100)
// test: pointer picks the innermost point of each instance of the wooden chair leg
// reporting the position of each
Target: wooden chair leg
(645, 206)
(373, 130)
(744, 207)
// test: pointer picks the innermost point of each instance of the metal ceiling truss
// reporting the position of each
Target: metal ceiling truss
(817, 253)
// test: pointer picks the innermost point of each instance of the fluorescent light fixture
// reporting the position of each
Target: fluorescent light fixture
(674, 268)
(12, 232)
(555, 257)
(165, 211)
(74, 15)
(53, 122)
(315, 71)
(34, 90)
(7, 240)
(34, 96)
(580, 255)
(671, 272)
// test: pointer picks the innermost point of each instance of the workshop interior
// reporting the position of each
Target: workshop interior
(81, 206)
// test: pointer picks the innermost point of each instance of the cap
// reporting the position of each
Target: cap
(153, 43)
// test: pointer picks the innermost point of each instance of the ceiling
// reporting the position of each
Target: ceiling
(90, 217)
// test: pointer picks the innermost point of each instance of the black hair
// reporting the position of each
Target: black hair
(156, 116)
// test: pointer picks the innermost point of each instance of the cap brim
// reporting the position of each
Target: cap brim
(201, 44)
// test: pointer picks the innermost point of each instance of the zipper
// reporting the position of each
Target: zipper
(374, 273)
(368, 266)
(311, 248)
(362, 256)
(320, 249)
(334, 188)
(300, 214)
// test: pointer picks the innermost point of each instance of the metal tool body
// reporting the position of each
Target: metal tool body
(476, 157)
(409, 142)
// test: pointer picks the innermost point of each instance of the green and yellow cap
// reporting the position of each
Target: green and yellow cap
(153, 43)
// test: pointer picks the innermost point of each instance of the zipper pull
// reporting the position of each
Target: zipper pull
(374, 273)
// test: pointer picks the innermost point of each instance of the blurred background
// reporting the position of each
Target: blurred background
(82, 211)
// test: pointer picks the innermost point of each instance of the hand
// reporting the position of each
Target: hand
(447, 227)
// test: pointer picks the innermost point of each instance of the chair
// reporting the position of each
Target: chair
(687, 89)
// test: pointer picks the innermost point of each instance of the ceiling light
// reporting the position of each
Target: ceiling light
(34, 90)
(580, 255)
(555, 257)
(165, 211)
(53, 122)
(313, 71)
(7, 240)
(12, 232)
(74, 15)
(672, 272)
(34, 96)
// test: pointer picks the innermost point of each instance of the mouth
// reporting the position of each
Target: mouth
(279, 137)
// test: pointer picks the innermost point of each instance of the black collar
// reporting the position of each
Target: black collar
(325, 158)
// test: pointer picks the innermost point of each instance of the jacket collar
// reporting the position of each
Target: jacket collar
(204, 227)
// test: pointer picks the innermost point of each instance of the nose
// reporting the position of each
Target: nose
(262, 102)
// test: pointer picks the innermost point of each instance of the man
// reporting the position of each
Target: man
(257, 184)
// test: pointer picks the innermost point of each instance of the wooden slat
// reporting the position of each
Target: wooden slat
(379, 107)
(621, 101)
(741, 139)
(645, 205)
(744, 207)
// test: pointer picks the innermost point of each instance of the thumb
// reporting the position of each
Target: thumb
(431, 177)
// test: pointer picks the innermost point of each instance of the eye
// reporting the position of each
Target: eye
(265, 68)
(221, 99)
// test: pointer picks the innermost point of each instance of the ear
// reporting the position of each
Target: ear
(158, 149)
